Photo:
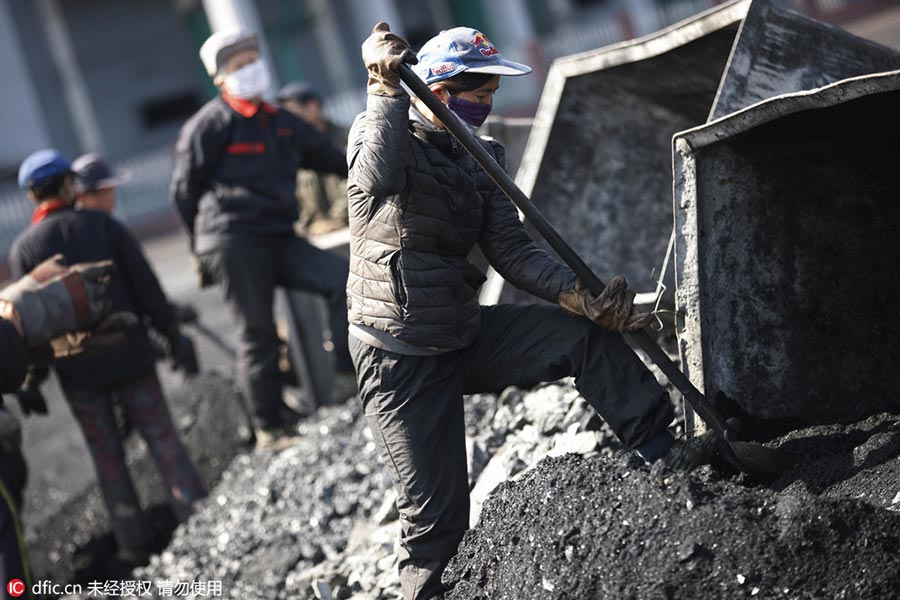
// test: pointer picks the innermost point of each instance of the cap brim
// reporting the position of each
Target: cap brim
(120, 177)
(503, 67)
(223, 54)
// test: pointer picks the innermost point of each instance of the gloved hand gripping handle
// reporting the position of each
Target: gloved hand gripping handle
(487, 162)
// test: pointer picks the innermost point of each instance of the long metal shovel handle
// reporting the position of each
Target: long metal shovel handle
(487, 162)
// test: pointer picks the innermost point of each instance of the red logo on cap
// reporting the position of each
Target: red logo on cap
(443, 68)
(481, 40)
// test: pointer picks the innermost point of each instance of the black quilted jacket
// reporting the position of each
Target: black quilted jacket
(234, 175)
(418, 204)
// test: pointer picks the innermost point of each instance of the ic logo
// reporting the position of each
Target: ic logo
(15, 588)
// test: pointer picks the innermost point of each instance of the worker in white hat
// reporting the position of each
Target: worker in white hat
(248, 76)
(233, 185)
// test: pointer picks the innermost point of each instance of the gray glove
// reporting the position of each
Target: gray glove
(612, 309)
(383, 52)
(54, 299)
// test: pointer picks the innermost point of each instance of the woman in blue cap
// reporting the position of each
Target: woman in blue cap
(95, 379)
(418, 337)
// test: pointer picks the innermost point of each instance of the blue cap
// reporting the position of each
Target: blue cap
(462, 49)
(42, 165)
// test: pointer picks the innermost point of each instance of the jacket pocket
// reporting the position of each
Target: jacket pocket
(397, 279)
(473, 276)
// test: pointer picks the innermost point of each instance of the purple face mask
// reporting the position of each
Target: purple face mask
(473, 113)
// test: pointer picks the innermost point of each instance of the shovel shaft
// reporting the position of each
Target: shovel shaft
(566, 253)
(215, 339)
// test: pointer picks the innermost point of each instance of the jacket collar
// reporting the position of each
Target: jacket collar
(418, 117)
(442, 139)
(246, 108)
(47, 208)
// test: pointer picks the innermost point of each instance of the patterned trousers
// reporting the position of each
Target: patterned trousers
(145, 407)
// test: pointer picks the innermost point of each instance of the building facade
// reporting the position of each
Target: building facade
(119, 77)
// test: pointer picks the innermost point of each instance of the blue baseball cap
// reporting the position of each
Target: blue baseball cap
(42, 165)
(462, 49)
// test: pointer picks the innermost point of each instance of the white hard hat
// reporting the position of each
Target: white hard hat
(221, 45)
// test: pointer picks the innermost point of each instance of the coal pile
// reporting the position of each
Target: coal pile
(612, 527)
(564, 513)
(75, 544)
(318, 520)
(506, 435)
(274, 516)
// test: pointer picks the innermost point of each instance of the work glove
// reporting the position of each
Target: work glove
(383, 52)
(689, 453)
(613, 309)
(31, 400)
(54, 299)
(181, 353)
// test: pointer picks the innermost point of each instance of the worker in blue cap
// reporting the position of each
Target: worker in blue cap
(93, 381)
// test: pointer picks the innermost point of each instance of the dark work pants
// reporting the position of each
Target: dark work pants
(414, 405)
(249, 273)
(145, 407)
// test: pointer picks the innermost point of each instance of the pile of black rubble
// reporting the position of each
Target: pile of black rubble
(75, 544)
(614, 528)
(564, 513)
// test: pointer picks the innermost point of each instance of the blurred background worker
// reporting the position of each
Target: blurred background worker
(233, 185)
(50, 301)
(96, 183)
(95, 186)
(322, 196)
(94, 381)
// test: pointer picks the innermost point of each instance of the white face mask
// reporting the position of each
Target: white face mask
(250, 81)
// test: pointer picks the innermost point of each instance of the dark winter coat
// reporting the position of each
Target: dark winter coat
(235, 170)
(418, 204)
(88, 236)
(13, 470)
(13, 358)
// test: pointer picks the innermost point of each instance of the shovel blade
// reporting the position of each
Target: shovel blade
(763, 464)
